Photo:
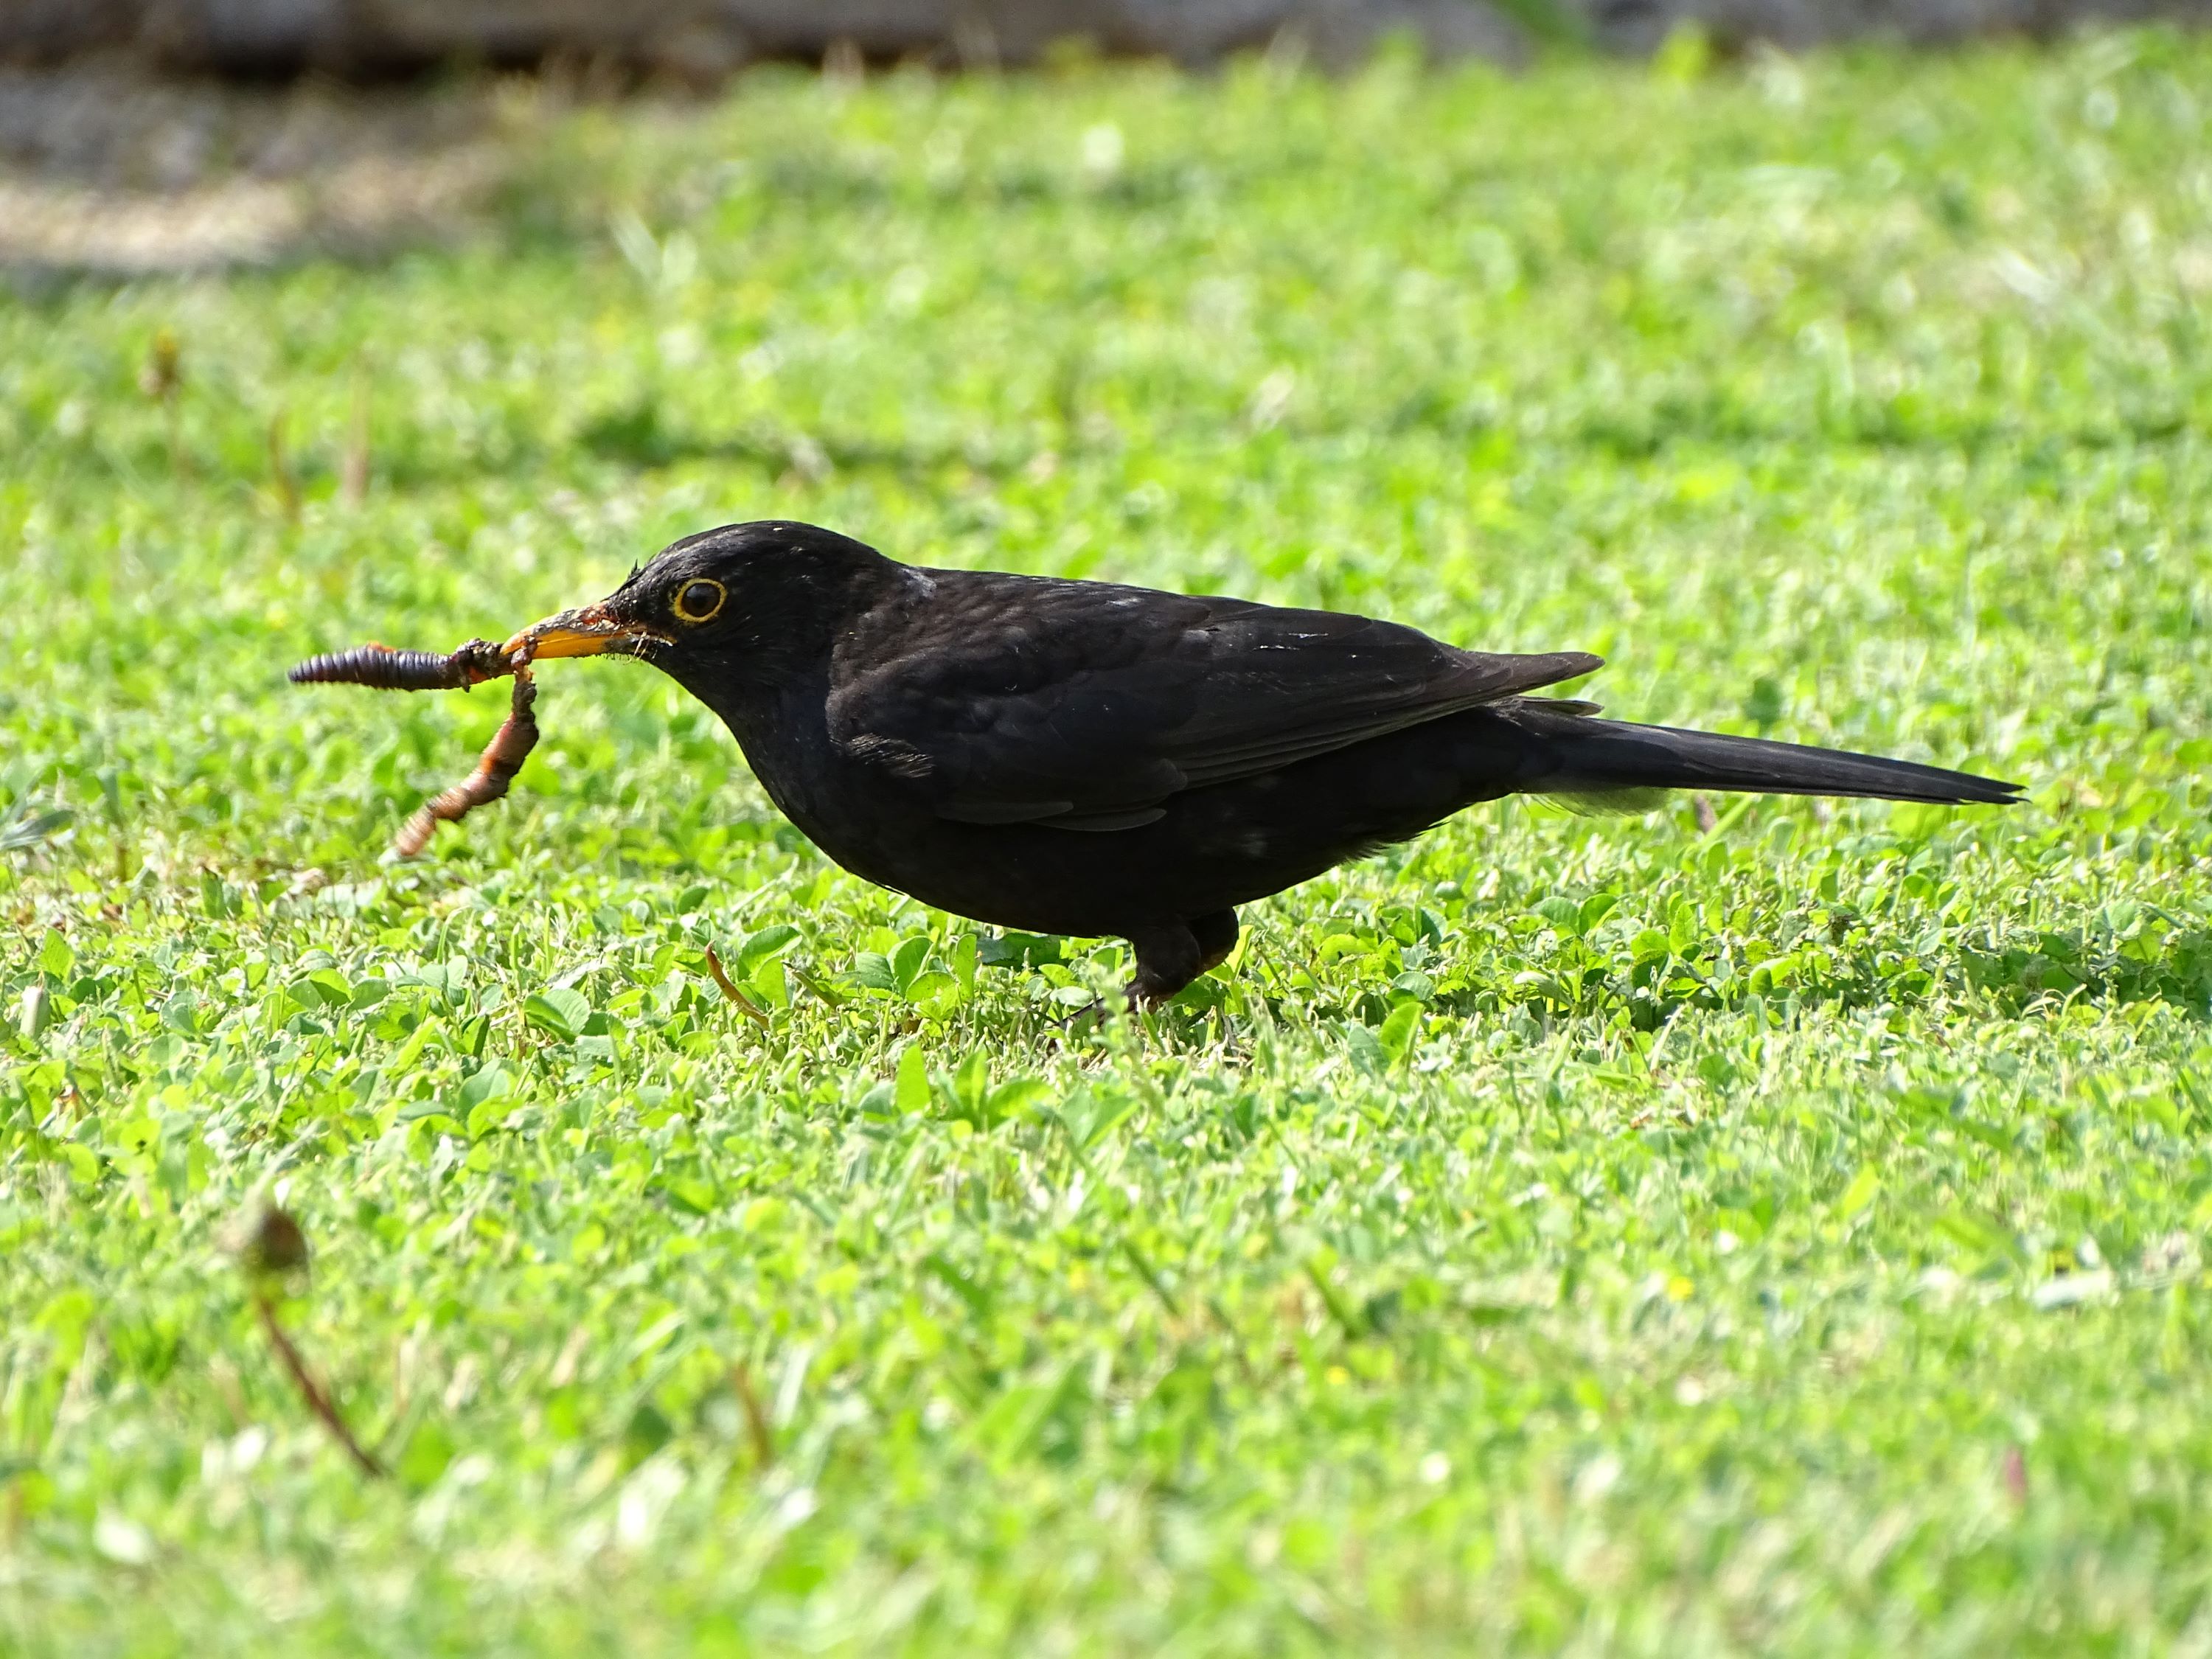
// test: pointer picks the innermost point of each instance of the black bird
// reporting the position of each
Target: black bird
(1081, 758)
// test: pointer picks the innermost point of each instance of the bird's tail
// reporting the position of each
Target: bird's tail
(1576, 756)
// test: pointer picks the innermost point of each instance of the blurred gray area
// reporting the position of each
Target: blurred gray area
(700, 39)
(146, 135)
(1640, 25)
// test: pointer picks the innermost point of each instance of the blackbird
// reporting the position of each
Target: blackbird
(1083, 757)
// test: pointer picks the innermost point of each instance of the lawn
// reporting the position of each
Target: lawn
(1749, 1226)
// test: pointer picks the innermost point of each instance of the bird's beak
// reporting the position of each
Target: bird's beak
(586, 631)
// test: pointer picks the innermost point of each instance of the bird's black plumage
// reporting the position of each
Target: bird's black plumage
(1080, 757)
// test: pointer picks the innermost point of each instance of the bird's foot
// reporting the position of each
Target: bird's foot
(1172, 955)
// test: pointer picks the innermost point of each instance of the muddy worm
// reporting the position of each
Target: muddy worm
(502, 758)
(386, 670)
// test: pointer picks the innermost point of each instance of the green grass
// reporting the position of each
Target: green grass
(1597, 1235)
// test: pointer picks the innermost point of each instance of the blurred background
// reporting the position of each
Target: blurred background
(148, 135)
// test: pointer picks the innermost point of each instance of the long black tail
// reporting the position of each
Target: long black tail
(1575, 755)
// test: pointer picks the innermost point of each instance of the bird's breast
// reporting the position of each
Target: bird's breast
(861, 813)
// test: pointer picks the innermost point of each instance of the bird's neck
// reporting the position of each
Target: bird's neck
(783, 730)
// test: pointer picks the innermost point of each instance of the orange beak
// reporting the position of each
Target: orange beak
(586, 631)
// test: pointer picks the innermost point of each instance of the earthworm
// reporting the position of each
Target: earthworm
(386, 670)
(502, 758)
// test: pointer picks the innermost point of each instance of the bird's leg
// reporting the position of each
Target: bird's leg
(1167, 960)
(1172, 954)
(1217, 937)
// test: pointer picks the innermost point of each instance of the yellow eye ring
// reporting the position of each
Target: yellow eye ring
(699, 600)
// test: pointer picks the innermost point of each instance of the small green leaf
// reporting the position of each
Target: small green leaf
(1683, 928)
(1017, 950)
(24, 828)
(488, 1084)
(1398, 1030)
(770, 984)
(55, 956)
(907, 961)
(970, 1084)
(133, 1135)
(559, 1010)
(873, 972)
(1087, 1116)
(1017, 1098)
(760, 947)
(936, 995)
(1207, 993)
(1865, 1186)
(1367, 1054)
(694, 1192)
(910, 1091)
(1562, 913)
(336, 992)
(1418, 986)
(429, 1450)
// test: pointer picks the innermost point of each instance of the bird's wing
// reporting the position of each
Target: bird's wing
(1084, 706)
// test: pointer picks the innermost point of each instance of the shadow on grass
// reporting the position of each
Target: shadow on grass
(2179, 972)
(638, 434)
(2175, 970)
(1633, 434)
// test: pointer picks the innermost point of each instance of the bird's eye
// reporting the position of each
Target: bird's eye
(700, 601)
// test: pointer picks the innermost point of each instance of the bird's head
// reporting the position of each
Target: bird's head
(743, 606)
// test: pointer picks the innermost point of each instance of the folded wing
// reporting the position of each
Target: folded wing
(1084, 706)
